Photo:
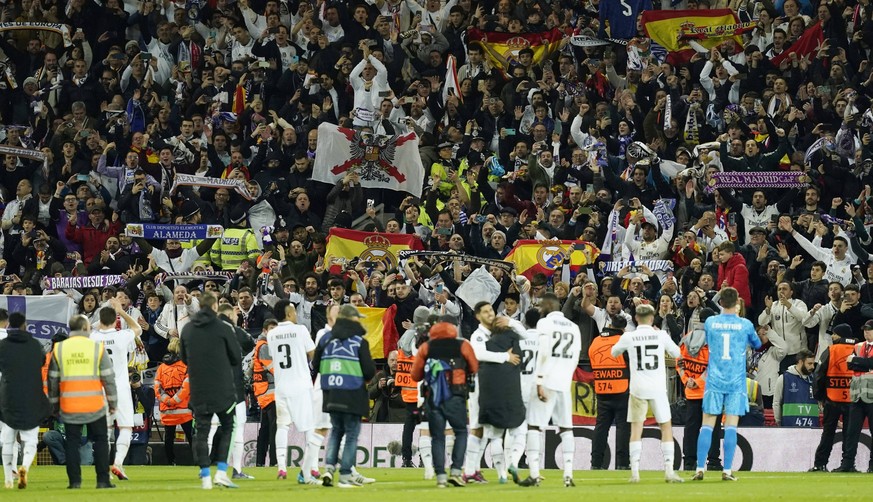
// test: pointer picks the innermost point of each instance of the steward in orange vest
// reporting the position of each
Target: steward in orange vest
(80, 375)
(172, 391)
(830, 386)
(611, 378)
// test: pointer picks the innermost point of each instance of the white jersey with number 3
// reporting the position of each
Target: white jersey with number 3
(289, 343)
(560, 345)
(120, 345)
(645, 347)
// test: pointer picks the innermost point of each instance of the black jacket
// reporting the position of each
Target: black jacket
(348, 401)
(500, 402)
(246, 345)
(23, 404)
(211, 351)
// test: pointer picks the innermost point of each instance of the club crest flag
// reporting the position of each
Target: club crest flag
(673, 29)
(547, 257)
(46, 315)
(502, 49)
(343, 245)
(389, 162)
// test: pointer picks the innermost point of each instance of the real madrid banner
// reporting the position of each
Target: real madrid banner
(547, 257)
(502, 48)
(343, 245)
(391, 162)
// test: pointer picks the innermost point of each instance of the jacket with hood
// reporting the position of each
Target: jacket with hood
(355, 401)
(764, 362)
(737, 276)
(211, 351)
(246, 345)
(23, 404)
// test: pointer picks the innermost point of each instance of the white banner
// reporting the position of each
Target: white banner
(761, 449)
(46, 315)
(390, 162)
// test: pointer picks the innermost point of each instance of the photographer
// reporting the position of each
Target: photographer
(389, 406)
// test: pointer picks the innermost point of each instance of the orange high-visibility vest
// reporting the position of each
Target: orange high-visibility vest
(262, 378)
(839, 375)
(403, 378)
(173, 392)
(45, 372)
(610, 373)
(81, 390)
(692, 368)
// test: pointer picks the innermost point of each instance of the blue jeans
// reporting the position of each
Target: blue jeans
(453, 411)
(348, 425)
(55, 442)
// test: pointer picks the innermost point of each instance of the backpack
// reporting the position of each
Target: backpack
(436, 380)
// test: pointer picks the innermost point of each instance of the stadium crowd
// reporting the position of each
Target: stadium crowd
(604, 143)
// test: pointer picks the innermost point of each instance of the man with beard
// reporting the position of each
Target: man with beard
(793, 404)
(311, 307)
(404, 299)
(820, 317)
(488, 324)
(602, 316)
(112, 260)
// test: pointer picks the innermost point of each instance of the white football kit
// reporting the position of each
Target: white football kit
(648, 378)
(120, 345)
(289, 345)
(560, 344)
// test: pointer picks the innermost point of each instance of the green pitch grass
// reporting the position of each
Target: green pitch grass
(406, 485)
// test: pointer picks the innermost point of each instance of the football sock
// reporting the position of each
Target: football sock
(221, 466)
(498, 459)
(568, 447)
(730, 446)
(533, 453)
(204, 472)
(450, 445)
(519, 439)
(29, 454)
(313, 444)
(668, 451)
(122, 444)
(636, 450)
(318, 440)
(282, 448)
(704, 441)
(426, 451)
(473, 446)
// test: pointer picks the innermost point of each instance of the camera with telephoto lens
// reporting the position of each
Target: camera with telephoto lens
(134, 376)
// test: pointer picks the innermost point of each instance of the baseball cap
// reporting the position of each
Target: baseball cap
(758, 230)
(868, 324)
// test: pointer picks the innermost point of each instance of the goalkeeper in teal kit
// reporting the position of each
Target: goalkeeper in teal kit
(728, 337)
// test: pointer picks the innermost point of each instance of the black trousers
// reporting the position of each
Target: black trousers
(832, 412)
(611, 408)
(170, 439)
(693, 422)
(408, 429)
(266, 436)
(99, 437)
(221, 440)
(857, 413)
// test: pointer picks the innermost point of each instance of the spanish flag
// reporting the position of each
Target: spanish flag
(381, 331)
(343, 245)
(239, 100)
(502, 49)
(547, 257)
(674, 29)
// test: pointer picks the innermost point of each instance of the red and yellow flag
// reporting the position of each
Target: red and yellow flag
(673, 29)
(502, 49)
(381, 331)
(343, 245)
(533, 257)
